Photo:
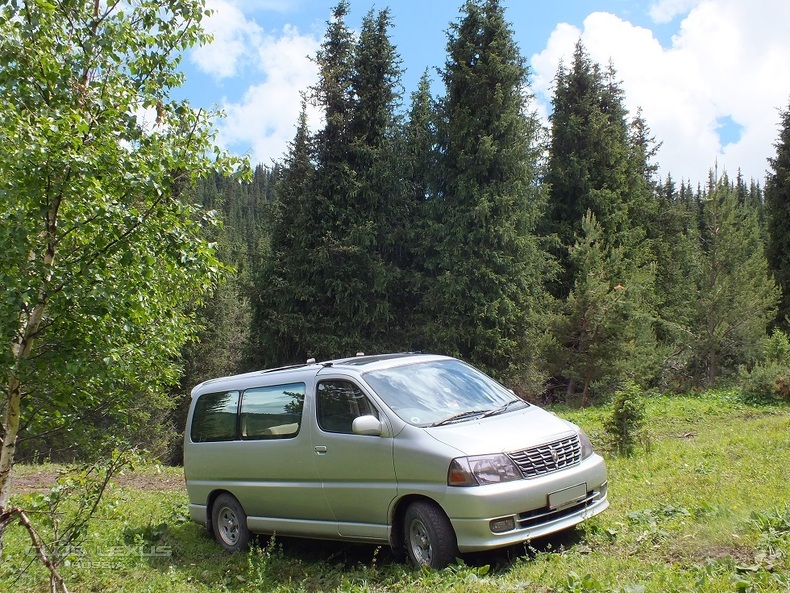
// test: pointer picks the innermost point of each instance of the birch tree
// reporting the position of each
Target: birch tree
(103, 259)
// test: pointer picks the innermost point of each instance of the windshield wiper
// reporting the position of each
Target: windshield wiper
(502, 409)
(460, 416)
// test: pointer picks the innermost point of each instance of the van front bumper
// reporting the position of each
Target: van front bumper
(497, 515)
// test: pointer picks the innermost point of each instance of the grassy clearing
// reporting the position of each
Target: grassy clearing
(704, 509)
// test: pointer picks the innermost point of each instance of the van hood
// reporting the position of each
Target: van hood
(508, 432)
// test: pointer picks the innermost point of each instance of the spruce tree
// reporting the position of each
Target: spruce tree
(605, 326)
(675, 245)
(419, 143)
(327, 290)
(487, 267)
(640, 198)
(591, 165)
(281, 293)
(378, 209)
(777, 213)
(737, 296)
(600, 166)
(413, 228)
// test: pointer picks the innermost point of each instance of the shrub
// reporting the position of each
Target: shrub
(625, 428)
(777, 349)
(771, 377)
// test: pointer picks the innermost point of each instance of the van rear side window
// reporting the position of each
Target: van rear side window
(272, 412)
(215, 417)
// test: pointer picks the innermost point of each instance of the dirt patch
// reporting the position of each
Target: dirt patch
(739, 554)
(700, 552)
(152, 481)
(30, 479)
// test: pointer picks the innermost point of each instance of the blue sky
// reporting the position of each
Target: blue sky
(709, 75)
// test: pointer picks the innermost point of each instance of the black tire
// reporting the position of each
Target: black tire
(229, 523)
(428, 536)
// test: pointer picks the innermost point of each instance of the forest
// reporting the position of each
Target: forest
(554, 259)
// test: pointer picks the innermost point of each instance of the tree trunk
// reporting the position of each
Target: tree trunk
(586, 391)
(10, 431)
(13, 401)
(29, 325)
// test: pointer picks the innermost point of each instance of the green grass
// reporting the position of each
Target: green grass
(704, 509)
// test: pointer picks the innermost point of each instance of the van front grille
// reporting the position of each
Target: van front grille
(548, 458)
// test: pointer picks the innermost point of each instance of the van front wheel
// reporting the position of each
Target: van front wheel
(229, 523)
(430, 539)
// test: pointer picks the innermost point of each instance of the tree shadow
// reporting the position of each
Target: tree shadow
(502, 559)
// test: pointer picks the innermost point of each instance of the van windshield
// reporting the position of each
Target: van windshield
(441, 392)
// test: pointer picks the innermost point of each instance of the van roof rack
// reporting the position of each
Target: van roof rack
(286, 367)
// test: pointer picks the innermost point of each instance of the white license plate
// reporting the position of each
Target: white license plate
(568, 496)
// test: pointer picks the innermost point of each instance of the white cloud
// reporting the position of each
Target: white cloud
(232, 34)
(544, 65)
(728, 59)
(263, 121)
(273, 67)
(663, 11)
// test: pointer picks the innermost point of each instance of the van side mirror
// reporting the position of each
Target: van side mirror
(368, 424)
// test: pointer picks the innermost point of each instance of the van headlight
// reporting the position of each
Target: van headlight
(584, 440)
(482, 469)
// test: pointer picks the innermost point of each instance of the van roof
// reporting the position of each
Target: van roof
(358, 363)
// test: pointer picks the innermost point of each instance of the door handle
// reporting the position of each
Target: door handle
(320, 449)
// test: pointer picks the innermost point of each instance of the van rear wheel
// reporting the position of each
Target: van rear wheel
(229, 523)
(430, 539)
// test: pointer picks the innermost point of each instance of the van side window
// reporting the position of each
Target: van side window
(272, 412)
(338, 403)
(215, 417)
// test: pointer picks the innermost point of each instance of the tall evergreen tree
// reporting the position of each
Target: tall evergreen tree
(606, 323)
(413, 226)
(488, 267)
(282, 291)
(591, 164)
(419, 145)
(777, 212)
(378, 209)
(675, 244)
(600, 165)
(737, 296)
(639, 199)
(327, 290)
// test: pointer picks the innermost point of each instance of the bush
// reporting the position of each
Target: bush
(625, 428)
(770, 379)
(766, 381)
(777, 349)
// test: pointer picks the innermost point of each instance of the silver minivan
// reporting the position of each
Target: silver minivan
(422, 452)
